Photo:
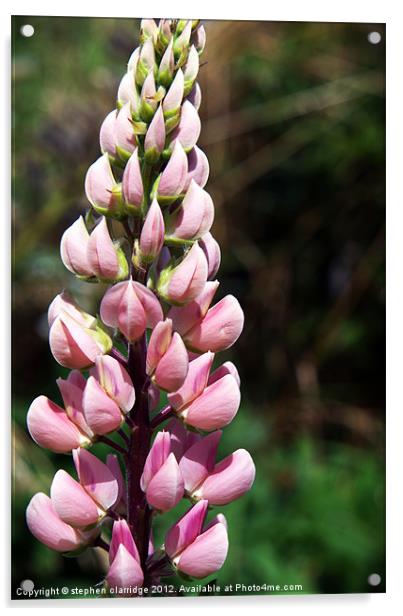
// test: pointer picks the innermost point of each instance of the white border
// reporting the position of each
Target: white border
(286, 10)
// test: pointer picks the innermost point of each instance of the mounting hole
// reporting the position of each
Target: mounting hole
(374, 579)
(27, 30)
(374, 38)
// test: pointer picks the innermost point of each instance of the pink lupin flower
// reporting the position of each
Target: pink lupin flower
(226, 368)
(185, 317)
(73, 249)
(229, 479)
(219, 329)
(152, 234)
(107, 134)
(154, 141)
(167, 358)
(131, 307)
(148, 98)
(212, 251)
(107, 259)
(215, 407)
(174, 96)
(72, 503)
(50, 427)
(195, 96)
(173, 178)
(188, 130)
(126, 140)
(102, 413)
(127, 92)
(146, 62)
(195, 382)
(199, 38)
(71, 390)
(115, 381)
(181, 439)
(198, 462)
(193, 552)
(45, 524)
(198, 167)
(132, 184)
(180, 283)
(96, 478)
(167, 65)
(194, 217)
(191, 69)
(124, 561)
(183, 39)
(101, 188)
(161, 480)
(65, 303)
(76, 346)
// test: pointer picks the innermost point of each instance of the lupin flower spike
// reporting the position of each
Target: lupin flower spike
(155, 338)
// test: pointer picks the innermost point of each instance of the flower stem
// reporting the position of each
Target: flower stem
(110, 443)
(166, 413)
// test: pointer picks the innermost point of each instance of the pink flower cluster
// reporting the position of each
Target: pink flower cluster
(158, 331)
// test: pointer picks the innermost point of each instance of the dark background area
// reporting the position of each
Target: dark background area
(293, 123)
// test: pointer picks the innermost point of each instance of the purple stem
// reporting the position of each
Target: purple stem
(124, 436)
(110, 443)
(166, 413)
(100, 543)
(119, 356)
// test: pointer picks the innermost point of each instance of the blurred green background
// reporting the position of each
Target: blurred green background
(294, 127)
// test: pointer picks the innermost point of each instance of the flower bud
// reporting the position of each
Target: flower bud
(198, 461)
(191, 70)
(102, 413)
(206, 554)
(132, 185)
(219, 329)
(185, 317)
(47, 527)
(148, 29)
(181, 283)
(167, 358)
(125, 571)
(101, 189)
(146, 61)
(161, 479)
(72, 503)
(173, 177)
(181, 43)
(195, 382)
(65, 303)
(107, 260)
(127, 91)
(195, 96)
(107, 135)
(199, 38)
(165, 33)
(152, 233)
(215, 407)
(115, 380)
(50, 427)
(174, 96)
(226, 368)
(76, 346)
(212, 252)
(192, 551)
(229, 480)
(155, 137)
(194, 216)
(71, 390)
(133, 60)
(126, 140)
(73, 249)
(112, 463)
(96, 478)
(148, 102)
(188, 130)
(198, 167)
(167, 66)
(131, 307)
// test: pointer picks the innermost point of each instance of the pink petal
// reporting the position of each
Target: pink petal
(132, 183)
(159, 342)
(96, 478)
(73, 248)
(198, 461)
(125, 571)
(47, 527)
(121, 535)
(166, 487)
(186, 529)
(71, 502)
(220, 328)
(216, 406)
(185, 317)
(102, 413)
(172, 369)
(173, 177)
(101, 253)
(230, 479)
(226, 368)
(115, 380)
(206, 554)
(125, 137)
(71, 346)
(195, 382)
(157, 455)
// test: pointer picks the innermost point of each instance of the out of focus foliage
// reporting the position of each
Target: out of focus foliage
(293, 125)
